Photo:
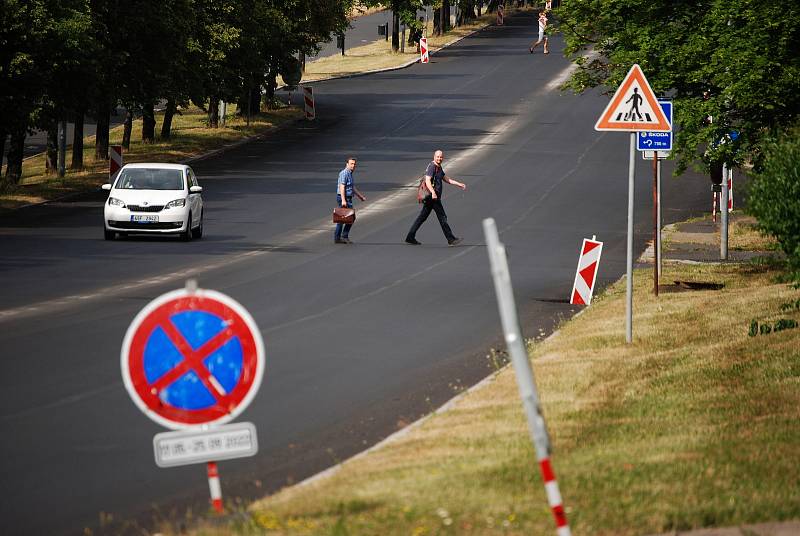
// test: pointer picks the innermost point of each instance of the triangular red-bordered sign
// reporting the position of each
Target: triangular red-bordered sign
(623, 112)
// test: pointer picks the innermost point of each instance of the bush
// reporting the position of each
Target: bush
(774, 197)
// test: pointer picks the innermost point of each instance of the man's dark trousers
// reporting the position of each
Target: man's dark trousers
(428, 205)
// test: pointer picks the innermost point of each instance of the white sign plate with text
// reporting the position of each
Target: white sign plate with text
(186, 447)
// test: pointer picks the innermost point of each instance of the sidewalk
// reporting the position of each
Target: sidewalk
(698, 241)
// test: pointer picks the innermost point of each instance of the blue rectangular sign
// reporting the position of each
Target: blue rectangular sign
(657, 141)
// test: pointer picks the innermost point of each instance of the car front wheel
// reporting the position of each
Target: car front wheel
(108, 235)
(197, 232)
(187, 234)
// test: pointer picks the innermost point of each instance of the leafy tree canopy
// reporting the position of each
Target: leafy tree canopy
(734, 61)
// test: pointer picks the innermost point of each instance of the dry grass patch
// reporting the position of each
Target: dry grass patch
(190, 137)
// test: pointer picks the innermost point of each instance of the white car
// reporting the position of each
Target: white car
(154, 198)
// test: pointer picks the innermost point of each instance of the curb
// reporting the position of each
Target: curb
(187, 161)
(391, 438)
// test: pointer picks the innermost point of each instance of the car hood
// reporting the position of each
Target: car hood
(151, 197)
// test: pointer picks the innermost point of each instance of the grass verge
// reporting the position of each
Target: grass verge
(693, 425)
(190, 137)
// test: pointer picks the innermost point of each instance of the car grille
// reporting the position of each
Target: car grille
(144, 226)
(151, 208)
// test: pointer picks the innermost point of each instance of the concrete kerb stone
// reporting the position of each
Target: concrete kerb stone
(327, 473)
(186, 161)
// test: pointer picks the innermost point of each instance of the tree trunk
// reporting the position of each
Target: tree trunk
(3, 134)
(127, 128)
(213, 112)
(77, 140)
(169, 113)
(16, 150)
(271, 83)
(102, 137)
(437, 21)
(395, 30)
(446, 17)
(51, 153)
(148, 123)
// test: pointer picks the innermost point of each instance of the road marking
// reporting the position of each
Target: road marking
(394, 200)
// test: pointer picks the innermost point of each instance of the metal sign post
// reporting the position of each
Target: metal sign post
(658, 217)
(633, 108)
(524, 373)
(723, 209)
(655, 224)
(629, 264)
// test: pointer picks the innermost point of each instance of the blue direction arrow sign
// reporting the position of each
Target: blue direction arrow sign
(657, 141)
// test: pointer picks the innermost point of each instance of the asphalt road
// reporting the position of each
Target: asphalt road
(360, 339)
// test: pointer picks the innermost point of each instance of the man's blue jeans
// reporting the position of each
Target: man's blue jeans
(343, 230)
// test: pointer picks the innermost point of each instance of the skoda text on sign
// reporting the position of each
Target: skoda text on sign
(657, 141)
(633, 107)
(192, 357)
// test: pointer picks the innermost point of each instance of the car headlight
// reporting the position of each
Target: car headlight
(176, 203)
(113, 201)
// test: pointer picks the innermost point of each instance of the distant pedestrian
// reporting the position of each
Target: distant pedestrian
(542, 36)
(434, 177)
(345, 189)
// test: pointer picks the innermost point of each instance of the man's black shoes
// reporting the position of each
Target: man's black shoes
(413, 242)
(455, 241)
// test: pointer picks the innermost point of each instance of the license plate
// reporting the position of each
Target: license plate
(144, 219)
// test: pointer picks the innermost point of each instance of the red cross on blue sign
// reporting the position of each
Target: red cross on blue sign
(191, 358)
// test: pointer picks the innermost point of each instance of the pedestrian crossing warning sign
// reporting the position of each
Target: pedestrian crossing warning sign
(633, 107)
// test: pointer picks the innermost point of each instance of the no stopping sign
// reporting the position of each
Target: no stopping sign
(191, 358)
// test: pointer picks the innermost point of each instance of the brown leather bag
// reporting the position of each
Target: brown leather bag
(344, 215)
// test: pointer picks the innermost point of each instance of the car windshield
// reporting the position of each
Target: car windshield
(150, 179)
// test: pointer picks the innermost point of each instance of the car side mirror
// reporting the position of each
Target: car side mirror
(106, 187)
(195, 189)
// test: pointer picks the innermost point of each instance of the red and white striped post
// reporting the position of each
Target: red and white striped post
(114, 160)
(524, 373)
(586, 274)
(730, 190)
(554, 497)
(423, 50)
(308, 98)
(215, 487)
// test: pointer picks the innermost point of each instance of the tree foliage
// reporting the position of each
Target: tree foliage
(61, 57)
(734, 61)
(774, 196)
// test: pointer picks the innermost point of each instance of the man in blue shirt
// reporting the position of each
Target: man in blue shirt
(434, 177)
(344, 197)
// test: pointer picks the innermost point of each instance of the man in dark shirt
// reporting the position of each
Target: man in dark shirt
(434, 177)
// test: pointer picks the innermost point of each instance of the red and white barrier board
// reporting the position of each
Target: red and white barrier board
(308, 97)
(586, 274)
(423, 50)
(114, 160)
